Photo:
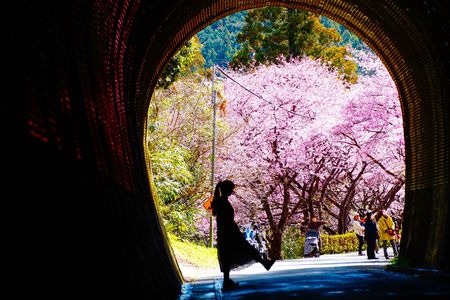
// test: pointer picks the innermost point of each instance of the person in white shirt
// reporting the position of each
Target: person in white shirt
(358, 228)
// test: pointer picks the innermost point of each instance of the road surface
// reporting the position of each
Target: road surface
(344, 276)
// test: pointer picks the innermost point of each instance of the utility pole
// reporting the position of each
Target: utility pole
(213, 154)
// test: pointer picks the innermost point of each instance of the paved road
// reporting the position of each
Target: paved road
(345, 276)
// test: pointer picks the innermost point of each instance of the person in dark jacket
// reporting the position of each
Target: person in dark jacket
(314, 226)
(370, 235)
(233, 250)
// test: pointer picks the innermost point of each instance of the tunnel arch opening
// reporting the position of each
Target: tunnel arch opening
(343, 224)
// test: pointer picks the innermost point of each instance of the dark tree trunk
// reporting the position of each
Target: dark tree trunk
(293, 51)
(275, 244)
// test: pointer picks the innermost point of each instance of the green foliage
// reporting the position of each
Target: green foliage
(219, 39)
(339, 243)
(172, 175)
(193, 254)
(174, 138)
(179, 135)
(187, 59)
(170, 170)
(220, 45)
(348, 38)
(179, 219)
(292, 246)
(401, 262)
(293, 243)
(271, 32)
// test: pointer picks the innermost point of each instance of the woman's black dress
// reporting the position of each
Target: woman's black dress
(234, 252)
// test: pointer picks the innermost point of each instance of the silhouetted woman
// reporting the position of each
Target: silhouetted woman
(234, 252)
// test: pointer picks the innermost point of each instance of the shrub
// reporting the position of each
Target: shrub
(292, 246)
(339, 243)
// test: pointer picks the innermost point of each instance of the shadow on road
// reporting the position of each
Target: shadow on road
(346, 276)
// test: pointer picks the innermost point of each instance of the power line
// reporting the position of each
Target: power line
(256, 95)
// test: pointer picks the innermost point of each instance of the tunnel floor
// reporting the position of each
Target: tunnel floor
(345, 276)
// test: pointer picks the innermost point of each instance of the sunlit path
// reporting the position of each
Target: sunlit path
(339, 275)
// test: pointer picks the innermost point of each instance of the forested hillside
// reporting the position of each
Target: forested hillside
(219, 39)
(220, 44)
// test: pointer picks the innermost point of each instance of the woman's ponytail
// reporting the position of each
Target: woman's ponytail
(216, 197)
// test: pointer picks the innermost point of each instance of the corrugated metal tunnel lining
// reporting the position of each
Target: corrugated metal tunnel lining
(79, 213)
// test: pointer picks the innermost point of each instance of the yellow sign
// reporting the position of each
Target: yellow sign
(207, 204)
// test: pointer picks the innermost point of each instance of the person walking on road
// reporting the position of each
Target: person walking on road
(370, 235)
(233, 250)
(387, 233)
(358, 228)
(313, 228)
(377, 217)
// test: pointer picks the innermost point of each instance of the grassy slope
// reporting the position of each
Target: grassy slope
(193, 255)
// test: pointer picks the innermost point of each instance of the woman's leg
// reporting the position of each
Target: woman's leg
(254, 253)
(226, 275)
(360, 243)
(385, 249)
(267, 263)
(227, 282)
(394, 247)
(225, 267)
(370, 249)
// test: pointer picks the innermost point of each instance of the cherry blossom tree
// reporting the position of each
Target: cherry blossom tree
(281, 134)
(373, 128)
(305, 143)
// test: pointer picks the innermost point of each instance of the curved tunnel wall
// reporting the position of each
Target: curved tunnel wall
(79, 214)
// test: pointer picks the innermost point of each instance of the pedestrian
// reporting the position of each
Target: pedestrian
(248, 232)
(261, 240)
(377, 217)
(370, 235)
(313, 228)
(358, 228)
(233, 250)
(387, 232)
